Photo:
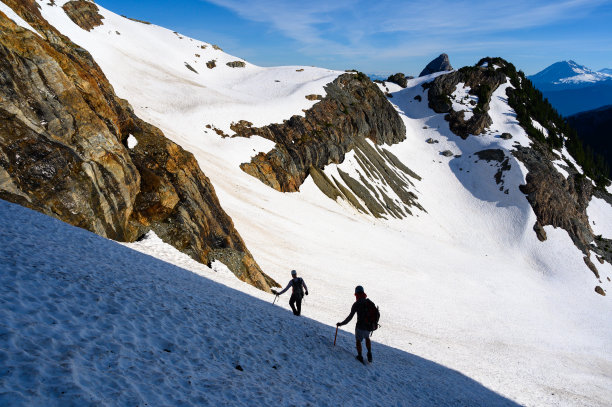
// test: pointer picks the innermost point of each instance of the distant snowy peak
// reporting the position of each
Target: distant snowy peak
(568, 74)
(606, 71)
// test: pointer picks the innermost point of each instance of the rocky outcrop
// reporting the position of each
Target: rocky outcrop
(353, 110)
(482, 83)
(399, 79)
(440, 64)
(63, 152)
(236, 64)
(83, 13)
(555, 200)
(191, 68)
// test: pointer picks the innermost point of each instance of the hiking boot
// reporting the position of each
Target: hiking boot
(370, 357)
(360, 358)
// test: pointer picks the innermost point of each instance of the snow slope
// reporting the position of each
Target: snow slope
(116, 327)
(466, 285)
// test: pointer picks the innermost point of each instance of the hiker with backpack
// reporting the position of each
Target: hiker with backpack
(298, 290)
(367, 321)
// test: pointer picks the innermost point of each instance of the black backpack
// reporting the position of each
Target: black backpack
(372, 315)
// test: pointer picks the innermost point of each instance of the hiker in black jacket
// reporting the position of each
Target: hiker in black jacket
(298, 289)
(362, 331)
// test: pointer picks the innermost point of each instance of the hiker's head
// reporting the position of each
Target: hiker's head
(359, 290)
(293, 273)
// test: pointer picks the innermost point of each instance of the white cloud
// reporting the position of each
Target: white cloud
(343, 23)
(353, 29)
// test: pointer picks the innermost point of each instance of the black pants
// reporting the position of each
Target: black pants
(295, 302)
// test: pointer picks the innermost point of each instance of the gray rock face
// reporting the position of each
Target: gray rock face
(555, 200)
(440, 64)
(353, 110)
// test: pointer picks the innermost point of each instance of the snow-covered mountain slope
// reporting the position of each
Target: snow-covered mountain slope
(117, 327)
(148, 59)
(566, 75)
(466, 284)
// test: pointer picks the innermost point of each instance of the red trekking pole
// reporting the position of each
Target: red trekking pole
(336, 335)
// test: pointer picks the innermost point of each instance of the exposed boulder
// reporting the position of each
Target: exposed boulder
(211, 64)
(63, 152)
(493, 154)
(399, 79)
(540, 231)
(600, 291)
(83, 13)
(440, 64)
(506, 136)
(314, 97)
(236, 64)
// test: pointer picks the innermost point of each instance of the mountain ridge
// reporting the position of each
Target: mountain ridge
(572, 88)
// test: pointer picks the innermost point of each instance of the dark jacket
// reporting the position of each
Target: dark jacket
(358, 307)
(296, 285)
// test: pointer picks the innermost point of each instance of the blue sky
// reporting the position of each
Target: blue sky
(390, 36)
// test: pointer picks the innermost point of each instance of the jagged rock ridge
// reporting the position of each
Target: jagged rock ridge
(353, 110)
(63, 152)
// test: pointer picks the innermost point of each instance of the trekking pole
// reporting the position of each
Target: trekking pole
(275, 297)
(336, 335)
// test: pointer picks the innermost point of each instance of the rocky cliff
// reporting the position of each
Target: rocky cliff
(353, 110)
(557, 200)
(64, 151)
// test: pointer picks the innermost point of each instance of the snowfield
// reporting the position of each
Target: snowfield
(86, 321)
(475, 310)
